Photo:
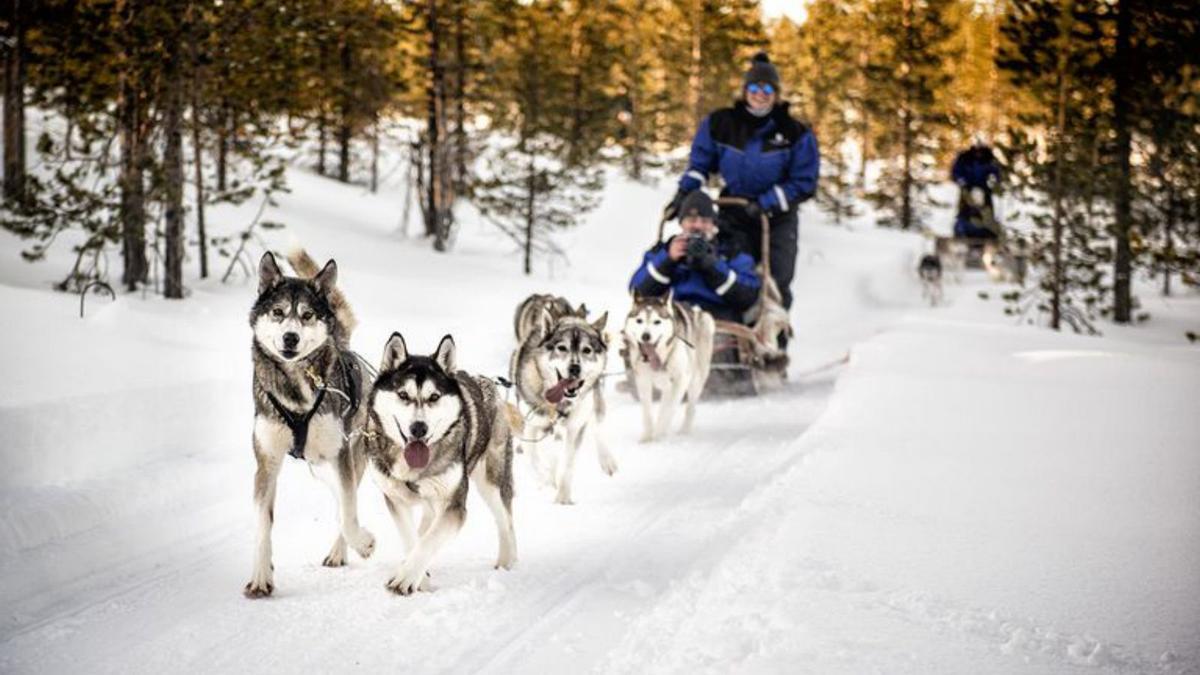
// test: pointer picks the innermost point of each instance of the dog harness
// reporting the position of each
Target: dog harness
(298, 422)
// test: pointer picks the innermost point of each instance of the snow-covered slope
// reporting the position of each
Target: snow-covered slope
(968, 496)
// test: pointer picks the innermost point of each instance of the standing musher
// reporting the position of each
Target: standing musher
(765, 155)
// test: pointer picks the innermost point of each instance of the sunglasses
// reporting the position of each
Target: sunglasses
(764, 88)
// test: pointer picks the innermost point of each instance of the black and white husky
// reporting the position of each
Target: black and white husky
(670, 351)
(557, 371)
(307, 389)
(430, 431)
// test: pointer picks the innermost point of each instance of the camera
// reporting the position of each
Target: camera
(698, 247)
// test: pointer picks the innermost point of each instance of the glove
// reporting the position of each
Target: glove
(671, 210)
(752, 210)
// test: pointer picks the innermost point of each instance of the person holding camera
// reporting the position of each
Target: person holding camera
(698, 267)
(763, 154)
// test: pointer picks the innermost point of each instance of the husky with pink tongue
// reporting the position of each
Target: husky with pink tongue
(431, 431)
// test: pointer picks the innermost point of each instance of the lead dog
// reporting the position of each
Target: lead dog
(670, 350)
(429, 429)
(307, 386)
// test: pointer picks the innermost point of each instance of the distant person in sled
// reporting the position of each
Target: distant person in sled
(698, 267)
(764, 155)
(977, 173)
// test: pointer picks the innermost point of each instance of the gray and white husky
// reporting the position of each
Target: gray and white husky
(529, 313)
(430, 431)
(557, 372)
(670, 350)
(307, 388)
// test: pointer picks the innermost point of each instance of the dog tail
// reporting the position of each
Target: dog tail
(307, 268)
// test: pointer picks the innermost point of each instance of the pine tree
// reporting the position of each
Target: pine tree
(534, 181)
(911, 48)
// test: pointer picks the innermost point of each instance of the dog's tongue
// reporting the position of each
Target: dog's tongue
(555, 394)
(650, 354)
(416, 453)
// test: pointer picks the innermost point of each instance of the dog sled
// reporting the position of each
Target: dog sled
(747, 357)
(978, 242)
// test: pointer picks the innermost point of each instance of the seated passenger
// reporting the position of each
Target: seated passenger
(699, 269)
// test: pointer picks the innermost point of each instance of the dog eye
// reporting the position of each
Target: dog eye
(640, 321)
(562, 349)
(433, 398)
(657, 321)
(307, 316)
(587, 351)
(403, 396)
(277, 313)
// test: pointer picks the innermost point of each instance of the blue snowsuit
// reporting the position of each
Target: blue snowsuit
(773, 160)
(725, 288)
(975, 167)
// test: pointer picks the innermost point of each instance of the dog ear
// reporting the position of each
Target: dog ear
(600, 323)
(445, 355)
(582, 311)
(327, 277)
(268, 272)
(395, 352)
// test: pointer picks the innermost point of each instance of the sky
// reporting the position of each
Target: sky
(793, 9)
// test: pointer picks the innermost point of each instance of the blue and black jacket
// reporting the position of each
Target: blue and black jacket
(773, 159)
(726, 288)
(974, 167)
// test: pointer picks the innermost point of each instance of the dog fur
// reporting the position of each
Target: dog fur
(306, 387)
(557, 372)
(421, 406)
(670, 350)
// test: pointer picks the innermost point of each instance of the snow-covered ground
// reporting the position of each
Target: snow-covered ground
(964, 496)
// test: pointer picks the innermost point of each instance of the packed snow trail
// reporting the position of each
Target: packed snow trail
(127, 523)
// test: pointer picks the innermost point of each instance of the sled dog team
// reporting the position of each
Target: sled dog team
(430, 430)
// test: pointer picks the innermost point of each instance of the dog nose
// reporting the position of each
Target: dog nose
(645, 337)
(290, 340)
(574, 370)
(418, 430)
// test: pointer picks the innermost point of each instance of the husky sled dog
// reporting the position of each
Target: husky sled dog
(529, 313)
(307, 389)
(930, 271)
(556, 369)
(670, 350)
(430, 429)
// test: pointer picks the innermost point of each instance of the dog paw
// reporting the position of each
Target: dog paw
(564, 499)
(335, 559)
(364, 544)
(407, 583)
(258, 588)
(608, 464)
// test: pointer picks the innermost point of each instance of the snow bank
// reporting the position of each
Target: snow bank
(975, 499)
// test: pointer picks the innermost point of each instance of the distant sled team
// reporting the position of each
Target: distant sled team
(428, 431)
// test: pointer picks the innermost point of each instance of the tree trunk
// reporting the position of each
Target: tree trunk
(1123, 260)
(530, 201)
(222, 145)
(438, 217)
(344, 129)
(132, 211)
(1169, 247)
(1058, 273)
(375, 157)
(173, 172)
(322, 139)
(906, 208)
(14, 105)
(460, 94)
(197, 148)
(695, 79)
